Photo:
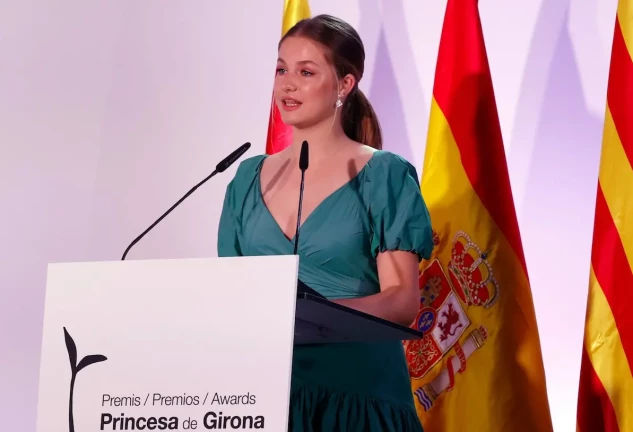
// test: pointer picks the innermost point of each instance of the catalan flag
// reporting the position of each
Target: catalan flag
(479, 366)
(279, 134)
(605, 399)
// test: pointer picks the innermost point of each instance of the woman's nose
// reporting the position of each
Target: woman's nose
(288, 84)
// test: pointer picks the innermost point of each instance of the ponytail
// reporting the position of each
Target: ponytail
(359, 120)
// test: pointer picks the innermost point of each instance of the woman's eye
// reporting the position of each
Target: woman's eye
(280, 71)
(306, 73)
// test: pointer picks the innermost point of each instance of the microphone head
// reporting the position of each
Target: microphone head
(230, 159)
(303, 156)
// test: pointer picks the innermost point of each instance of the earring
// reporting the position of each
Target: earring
(339, 103)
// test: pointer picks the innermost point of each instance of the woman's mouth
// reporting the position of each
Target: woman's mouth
(289, 104)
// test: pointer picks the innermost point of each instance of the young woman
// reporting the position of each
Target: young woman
(364, 229)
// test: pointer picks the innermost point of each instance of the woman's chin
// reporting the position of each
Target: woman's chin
(294, 120)
(300, 122)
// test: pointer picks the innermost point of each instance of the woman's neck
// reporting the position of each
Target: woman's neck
(324, 140)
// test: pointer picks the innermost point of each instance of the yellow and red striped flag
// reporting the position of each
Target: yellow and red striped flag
(605, 396)
(279, 134)
(479, 366)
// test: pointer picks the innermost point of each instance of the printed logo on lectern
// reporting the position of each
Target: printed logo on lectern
(75, 369)
(217, 416)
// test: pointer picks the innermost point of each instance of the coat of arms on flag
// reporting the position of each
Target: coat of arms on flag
(468, 281)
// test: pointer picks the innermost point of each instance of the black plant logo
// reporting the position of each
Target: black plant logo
(75, 368)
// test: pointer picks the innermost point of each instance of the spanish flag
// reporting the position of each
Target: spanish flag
(279, 134)
(479, 365)
(605, 399)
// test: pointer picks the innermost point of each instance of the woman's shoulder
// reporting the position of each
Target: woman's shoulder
(385, 164)
(400, 217)
(247, 170)
(243, 181)
(250, 165)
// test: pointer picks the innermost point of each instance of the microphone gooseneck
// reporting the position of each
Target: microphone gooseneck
(221, 167)
(303, 166)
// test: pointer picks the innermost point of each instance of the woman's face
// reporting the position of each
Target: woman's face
(306, 87)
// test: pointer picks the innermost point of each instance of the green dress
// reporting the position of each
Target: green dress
(359, 387)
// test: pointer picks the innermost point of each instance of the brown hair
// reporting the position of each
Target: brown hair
(346, 52)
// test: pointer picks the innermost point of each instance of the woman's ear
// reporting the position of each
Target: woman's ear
(346, 85)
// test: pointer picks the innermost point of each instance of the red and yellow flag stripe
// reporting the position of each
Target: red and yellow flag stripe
(466, 186)
(279, 134)
(605, 400)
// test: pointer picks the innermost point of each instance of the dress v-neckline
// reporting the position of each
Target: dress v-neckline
(318, 206)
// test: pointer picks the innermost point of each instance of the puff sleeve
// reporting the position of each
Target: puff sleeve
(228, 240)
(399, 216)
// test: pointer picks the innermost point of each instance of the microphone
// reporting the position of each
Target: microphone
(303, 166)
(302, 288)
(221, 167)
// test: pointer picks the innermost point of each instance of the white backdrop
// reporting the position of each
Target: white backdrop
(110, 111)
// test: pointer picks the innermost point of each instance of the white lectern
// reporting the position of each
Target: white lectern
(182, 344)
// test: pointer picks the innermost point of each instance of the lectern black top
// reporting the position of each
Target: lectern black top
(318, 321)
